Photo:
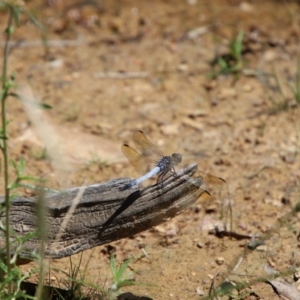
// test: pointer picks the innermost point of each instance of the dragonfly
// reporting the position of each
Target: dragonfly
(148, 160)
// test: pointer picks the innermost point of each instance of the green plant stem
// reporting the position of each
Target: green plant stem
(4, 145)
(41, 215)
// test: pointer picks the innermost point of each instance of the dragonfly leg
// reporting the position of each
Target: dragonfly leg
(161, 176)
(173, 171)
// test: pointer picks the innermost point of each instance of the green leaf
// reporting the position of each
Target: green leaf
(3, 137)
(2, 94)
(22, 165)
(126, 282)
(19, 169)
(113, 266)
(31, 178)
(123, 267)
(13, 76)
(40, 104)
(13, 186)
(9, 85)
(44, 105)
(14, 164)
(236, 46)
(33, 19)
(222, 63)
(15, 13)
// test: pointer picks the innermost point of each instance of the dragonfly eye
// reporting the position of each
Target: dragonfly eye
(177, 158)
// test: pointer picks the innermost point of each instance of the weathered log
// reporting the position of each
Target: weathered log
(104, 213)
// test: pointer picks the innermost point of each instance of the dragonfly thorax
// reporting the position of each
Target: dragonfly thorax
(165, 163)
(168, 162)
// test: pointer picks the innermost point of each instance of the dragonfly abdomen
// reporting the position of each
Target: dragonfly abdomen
(153, 172)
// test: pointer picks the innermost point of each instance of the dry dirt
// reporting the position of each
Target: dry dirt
(235, 127)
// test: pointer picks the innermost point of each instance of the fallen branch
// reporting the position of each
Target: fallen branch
(103, 214)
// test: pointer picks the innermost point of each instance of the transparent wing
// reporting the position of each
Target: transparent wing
(216, 187)
(210, 183)
(145, 147)
(142, 164)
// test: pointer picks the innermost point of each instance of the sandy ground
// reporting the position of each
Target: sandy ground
(243, 127)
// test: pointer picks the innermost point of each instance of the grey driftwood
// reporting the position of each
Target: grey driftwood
(104, 213)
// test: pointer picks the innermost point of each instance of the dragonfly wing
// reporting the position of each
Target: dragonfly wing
(140, 163)
(211, 182)
(146, 148)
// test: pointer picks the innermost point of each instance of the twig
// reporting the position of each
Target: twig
(40, 43)
(121, 75)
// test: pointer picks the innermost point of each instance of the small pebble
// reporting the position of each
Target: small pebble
(269, 55)
(199, 245)
(183, 67)
(247, 88)
(297, 274)
(170, 129)
(220, 260)
(196, 112)
(289, 158)
(192, 2)
(199, 291)
(227, 93)
(246, 7)
(262, 248)
(197, 209)
(57, 63)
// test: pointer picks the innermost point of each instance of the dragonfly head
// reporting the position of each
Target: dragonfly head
(176, 158)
